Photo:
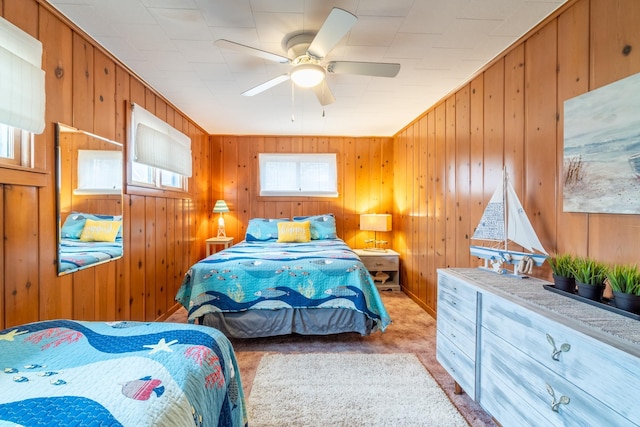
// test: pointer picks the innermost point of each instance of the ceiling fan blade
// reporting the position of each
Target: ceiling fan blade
(376, 69)
(337, 24)
(266, 85)
(324, 94)
(251, 51)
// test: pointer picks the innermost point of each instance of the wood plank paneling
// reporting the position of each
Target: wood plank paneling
(364, 180)
(539, 200)
(462, 177)
(573, 80)
(515, 119)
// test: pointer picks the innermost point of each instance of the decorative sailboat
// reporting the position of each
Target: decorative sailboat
(505, 220)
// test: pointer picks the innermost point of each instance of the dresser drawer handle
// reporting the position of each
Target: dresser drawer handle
(379, 264)
(564, 400)
(555, 355)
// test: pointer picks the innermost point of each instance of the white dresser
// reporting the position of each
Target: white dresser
(533, 357)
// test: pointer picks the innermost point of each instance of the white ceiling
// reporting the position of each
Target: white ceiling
(169, 44)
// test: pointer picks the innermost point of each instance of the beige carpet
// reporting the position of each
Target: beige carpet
(412, 331)
(348, 389)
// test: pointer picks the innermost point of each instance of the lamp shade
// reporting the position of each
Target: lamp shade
(375, 222)
(220, 206)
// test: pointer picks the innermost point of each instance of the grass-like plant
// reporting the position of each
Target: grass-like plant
(589, 271)
(625, 279)
(561, 264)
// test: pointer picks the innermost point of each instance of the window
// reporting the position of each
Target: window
(161, 154)
(99, 172)
(16, 146)
(298, 175)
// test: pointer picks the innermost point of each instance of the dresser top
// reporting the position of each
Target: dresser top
(618, 330)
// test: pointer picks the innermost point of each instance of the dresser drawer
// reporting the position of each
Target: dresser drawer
(380, 263)
(461, 332)
(457, 364)
(517, 390)
(591, 365)
(454, 296)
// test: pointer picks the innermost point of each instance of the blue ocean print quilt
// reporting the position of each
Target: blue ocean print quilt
(266, 275)
(71, 373)
(75, 254)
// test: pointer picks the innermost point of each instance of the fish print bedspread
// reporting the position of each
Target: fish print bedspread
(71, 373)
(75, 254)
(268, 275)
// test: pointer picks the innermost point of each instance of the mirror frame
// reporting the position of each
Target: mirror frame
(107, 199)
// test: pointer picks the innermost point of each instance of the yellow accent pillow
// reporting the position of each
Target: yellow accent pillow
(294, 232)
(100, 231)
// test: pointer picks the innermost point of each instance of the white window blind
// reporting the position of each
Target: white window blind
(298, 174)
(22, 91)
(159, 145)
(99, 172)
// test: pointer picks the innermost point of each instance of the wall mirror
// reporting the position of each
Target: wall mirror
(89, 199)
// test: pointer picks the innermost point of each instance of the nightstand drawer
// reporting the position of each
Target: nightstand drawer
(381, 263)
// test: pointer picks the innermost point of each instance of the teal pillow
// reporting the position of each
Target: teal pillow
(260, 229)
(73, 226)
(322, 226)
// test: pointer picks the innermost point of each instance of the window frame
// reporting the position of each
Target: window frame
(20, 147)
(154, 173)
(328, 159)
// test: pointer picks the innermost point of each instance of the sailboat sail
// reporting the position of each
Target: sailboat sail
(491, 226)
(504, 214)
(519, 229)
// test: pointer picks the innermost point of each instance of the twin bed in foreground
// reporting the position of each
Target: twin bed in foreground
(70, 373)
(267, 285)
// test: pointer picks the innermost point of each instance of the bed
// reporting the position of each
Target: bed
(73, 373)
(88, 239)
(269, 286)
(74, 254)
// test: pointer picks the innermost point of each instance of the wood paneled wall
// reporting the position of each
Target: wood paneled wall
(435, 175)
(164, 232)
(365, 181)
(449, 160)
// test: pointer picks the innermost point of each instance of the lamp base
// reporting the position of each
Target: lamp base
(221, 232)
(375, 249)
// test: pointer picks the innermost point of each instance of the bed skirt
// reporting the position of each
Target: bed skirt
(266, 323)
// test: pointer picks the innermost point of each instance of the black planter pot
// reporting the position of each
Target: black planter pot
(627, 302)
(567, 284)
(592, 292)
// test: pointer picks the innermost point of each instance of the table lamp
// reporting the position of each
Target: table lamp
(220, 207)
(375, 223)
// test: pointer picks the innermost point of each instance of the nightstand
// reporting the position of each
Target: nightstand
(214, 241)
(380, 265)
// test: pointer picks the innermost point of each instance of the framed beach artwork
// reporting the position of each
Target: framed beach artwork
(602, 149)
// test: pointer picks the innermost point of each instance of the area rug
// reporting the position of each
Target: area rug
(347, 389)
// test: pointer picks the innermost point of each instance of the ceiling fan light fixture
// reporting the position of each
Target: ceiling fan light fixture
(307, 75)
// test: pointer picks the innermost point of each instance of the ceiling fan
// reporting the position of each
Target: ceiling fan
(306, 51)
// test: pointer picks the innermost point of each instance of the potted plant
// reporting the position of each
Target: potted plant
(625, 284)
(590, 276)
(562, 269)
